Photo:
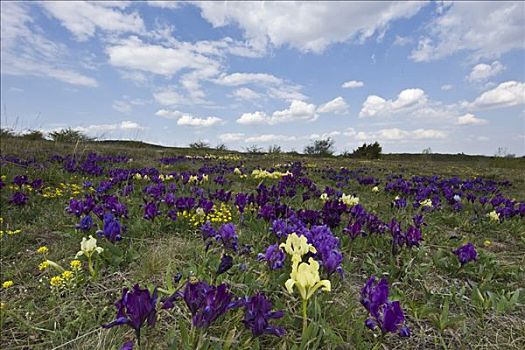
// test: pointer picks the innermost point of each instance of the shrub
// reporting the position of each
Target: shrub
(274, 149)
(371, 151)
(69, 136)
(323, 147)
(33, 135)
(253, 149)
(200, 145)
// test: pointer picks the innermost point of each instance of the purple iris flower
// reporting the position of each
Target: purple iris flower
(241, 200)
(257, 315)
(151, 210)
(129, 345)
(227, 236)
(19, 198)
(75, 207)
(274, 257)
(37, 184)
(135, 308)
(413, 236)
(386, 314)
(466, 253)
(208, 231)
(206, 303)
(85, 224)
(20, 180)
(112, 228)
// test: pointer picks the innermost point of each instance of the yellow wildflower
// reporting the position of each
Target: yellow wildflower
(349, 200)
(305, 276)
(297, 246)
(493, 216)
(43, 265)
(56, 281)
(7, 284)
(375, 189)
(76, 265)
(67, 275)
(426, 203)
(323, 197)
(487, 243)
(42, 250)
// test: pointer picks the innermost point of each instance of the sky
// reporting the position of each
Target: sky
(449, 76)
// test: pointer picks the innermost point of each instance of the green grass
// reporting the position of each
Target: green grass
(445, 307)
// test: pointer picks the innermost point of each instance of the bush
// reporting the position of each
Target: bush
(323, 147)
(274, 149)
(33, 135)
(200, 145)
(221, 147)
(69, 136)
(371, 151)
(7, 132)
(253, 149)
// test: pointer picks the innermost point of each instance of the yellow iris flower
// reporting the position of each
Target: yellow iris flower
(305, 276)
(297, 246)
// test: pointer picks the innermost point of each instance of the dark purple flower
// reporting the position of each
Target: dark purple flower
(373, 295)
(257, 315)
(135, 308)
(206, 303)
(208, 231)
(391, 317)
(466, 253)
(227, 236)
(151, 210)
(128, 345)
(413, 236)
(274, 257)
(19, 198)
(225, 265)
(112, 228)
(85, 224)
(20, 180)
(37, 184)
(241, 200)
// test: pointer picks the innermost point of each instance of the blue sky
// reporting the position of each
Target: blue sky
(411, 75)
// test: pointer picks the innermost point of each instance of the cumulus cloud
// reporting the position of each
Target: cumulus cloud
(507, 94)
(169, 114)
(95, 129)
(188, 120)
(83, 18)
(458, 27)
(447, 87)
(483, 71)
(470, 119)
(168, 97)
(352, 84)
(336, 106)
(292, 23)
(237, 79)
(246, 94)
(378, 106)
(298, 111)
(396, 134)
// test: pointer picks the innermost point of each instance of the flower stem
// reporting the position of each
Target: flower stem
(305, 318)
(90, 267)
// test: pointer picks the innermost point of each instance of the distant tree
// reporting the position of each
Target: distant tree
(371, 151)
(254, 149)
(69, 135)
(199, 145)
(274, 149)
(323, 147)
(502, 152)
(427, 151)
(33, 135)
(221, 147)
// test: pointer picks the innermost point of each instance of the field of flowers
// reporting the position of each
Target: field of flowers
(117, 247)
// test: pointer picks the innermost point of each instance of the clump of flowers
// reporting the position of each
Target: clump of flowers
(206, 303)
(349, 200)
(466, 253)
(493, 216)
(218, 214)
(264, 174)
(257, 315)
(274, 257)
(384, 313)
(135, 308)
(8, 284)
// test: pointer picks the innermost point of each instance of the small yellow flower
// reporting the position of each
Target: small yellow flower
(43, 265)
(56, 281)
(42, 250)
(487, 243)
(76, 265)
(375, 189)
(7, 284)
(323, 197)
(67, 275)
(349, 200)
(426, 203)
(88, 247)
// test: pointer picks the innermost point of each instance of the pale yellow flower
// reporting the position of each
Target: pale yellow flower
(7, 284)
(88, 247)
(305, 276)
(349, 200)
(493, 216)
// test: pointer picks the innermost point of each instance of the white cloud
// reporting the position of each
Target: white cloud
(337, 106)
(324, 135)
(26, 51)
(307, 26)
(188, 120)
(103, 128)
(83, 18)
(470, 119)
(237, 79)
(168, 97)
(402, 41)
(407, 99)
(487, 29)
(169, 114)
(396, 134)
(483, 71)
(298, 111)
(265, 138)
(231, 137)
(246, 94)
(509, 93)
(447, 87)
(352, 84)
(121, 106)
